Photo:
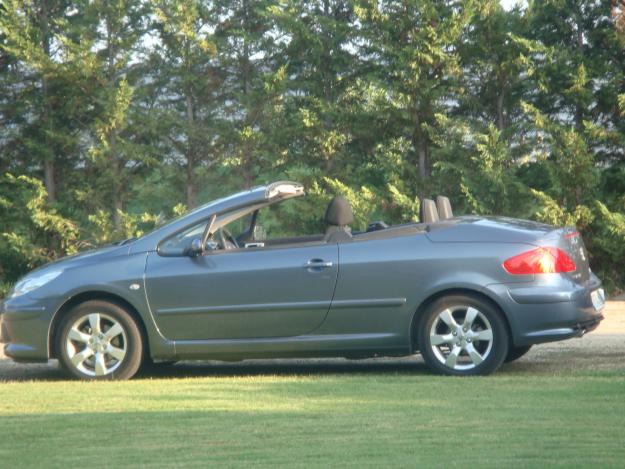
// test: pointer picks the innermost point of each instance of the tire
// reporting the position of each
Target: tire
(98, 340)
(514, 353)
(452, 346)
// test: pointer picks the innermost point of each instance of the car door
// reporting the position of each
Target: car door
(242, 293)
(379, 284)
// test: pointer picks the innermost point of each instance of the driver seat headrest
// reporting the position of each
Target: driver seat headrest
(339, 212)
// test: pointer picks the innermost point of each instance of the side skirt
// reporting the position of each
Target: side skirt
(348, 345)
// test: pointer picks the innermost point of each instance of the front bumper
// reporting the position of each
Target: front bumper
(24, 326)
(555, 310)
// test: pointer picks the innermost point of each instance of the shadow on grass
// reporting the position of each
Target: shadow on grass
(191, 369)
(17, 372)
(545, 361)
(13, 372)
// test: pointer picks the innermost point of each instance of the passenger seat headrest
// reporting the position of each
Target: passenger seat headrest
(444, 208)
(339, 212)
(429, 214)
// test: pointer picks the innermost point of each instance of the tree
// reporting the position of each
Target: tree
(113, 112)
(413, 45)
(41, 112)
(252, 84)
(322, 64)
(191, 103)
(116, 30)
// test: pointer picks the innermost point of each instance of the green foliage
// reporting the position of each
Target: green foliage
(118, 114)
(131, 226)
(553, 213)
(608, 244)
(486, 174)
(34, 233)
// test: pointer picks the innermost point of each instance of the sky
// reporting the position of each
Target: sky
(508, 4)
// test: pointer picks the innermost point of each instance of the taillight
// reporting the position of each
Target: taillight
(546, 260)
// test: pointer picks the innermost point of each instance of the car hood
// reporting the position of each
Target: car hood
(489, 230)
(84, 258)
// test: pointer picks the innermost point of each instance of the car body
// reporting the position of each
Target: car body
(194, 291)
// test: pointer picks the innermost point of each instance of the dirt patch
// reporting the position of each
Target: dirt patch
(614, 322)
(601, 350)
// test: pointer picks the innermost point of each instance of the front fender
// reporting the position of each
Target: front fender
(120, 279)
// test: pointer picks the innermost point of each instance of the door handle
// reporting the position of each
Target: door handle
(318, 264)
(254, 245)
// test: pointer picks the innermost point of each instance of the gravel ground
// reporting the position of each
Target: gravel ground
(601, 350)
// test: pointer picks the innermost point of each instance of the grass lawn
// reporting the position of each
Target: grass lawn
(385, 416)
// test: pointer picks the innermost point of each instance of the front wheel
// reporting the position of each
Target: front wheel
(462, 335)
(98, 340)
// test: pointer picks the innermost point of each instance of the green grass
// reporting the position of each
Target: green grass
(373, 419)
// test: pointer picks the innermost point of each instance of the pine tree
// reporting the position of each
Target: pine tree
(570, 76)
(42, 87)
(321, 63)
(413, 46)
(117, 28)
(486, 139)
(252, 85)
(190, 82)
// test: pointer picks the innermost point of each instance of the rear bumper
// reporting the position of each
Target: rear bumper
(24, 324)
(551, 335)
(556, 309)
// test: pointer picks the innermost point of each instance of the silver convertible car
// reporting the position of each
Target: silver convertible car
(467, 293)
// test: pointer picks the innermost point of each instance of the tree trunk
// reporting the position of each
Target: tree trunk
(190, 185)
(48, 163)
(500, 114)
(328, 91)
(118, 186)
(190, 152)
(246, 78)
(420, 145)
(113, 159)
(422, 152)
(49, 182)
(579, 108)
(117, 209)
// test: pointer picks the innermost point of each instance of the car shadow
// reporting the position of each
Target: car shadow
(191, 369)
(14, 372)
(19, 372)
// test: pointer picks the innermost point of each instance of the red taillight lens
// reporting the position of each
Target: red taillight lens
(540, 261)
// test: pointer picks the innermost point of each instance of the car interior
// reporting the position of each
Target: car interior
(242, 229)
(338, 218)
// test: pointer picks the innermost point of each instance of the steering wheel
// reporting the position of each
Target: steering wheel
(226, 240)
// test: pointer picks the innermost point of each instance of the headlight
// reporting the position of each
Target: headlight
(32, 282)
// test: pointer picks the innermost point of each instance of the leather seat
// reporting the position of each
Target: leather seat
(338, 217)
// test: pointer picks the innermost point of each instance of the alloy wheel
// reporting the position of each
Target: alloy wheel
(461, 337)
(96, 344)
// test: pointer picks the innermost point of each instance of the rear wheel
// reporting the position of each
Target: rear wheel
(462, 335)
(517, 352)
(98, 340)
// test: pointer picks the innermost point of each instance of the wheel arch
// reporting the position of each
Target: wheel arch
(95, 295)
(476, 293)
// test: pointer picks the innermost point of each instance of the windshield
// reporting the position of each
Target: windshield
(283, 193)
(165, 223)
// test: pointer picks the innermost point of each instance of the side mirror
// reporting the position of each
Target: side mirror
(196, 248)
